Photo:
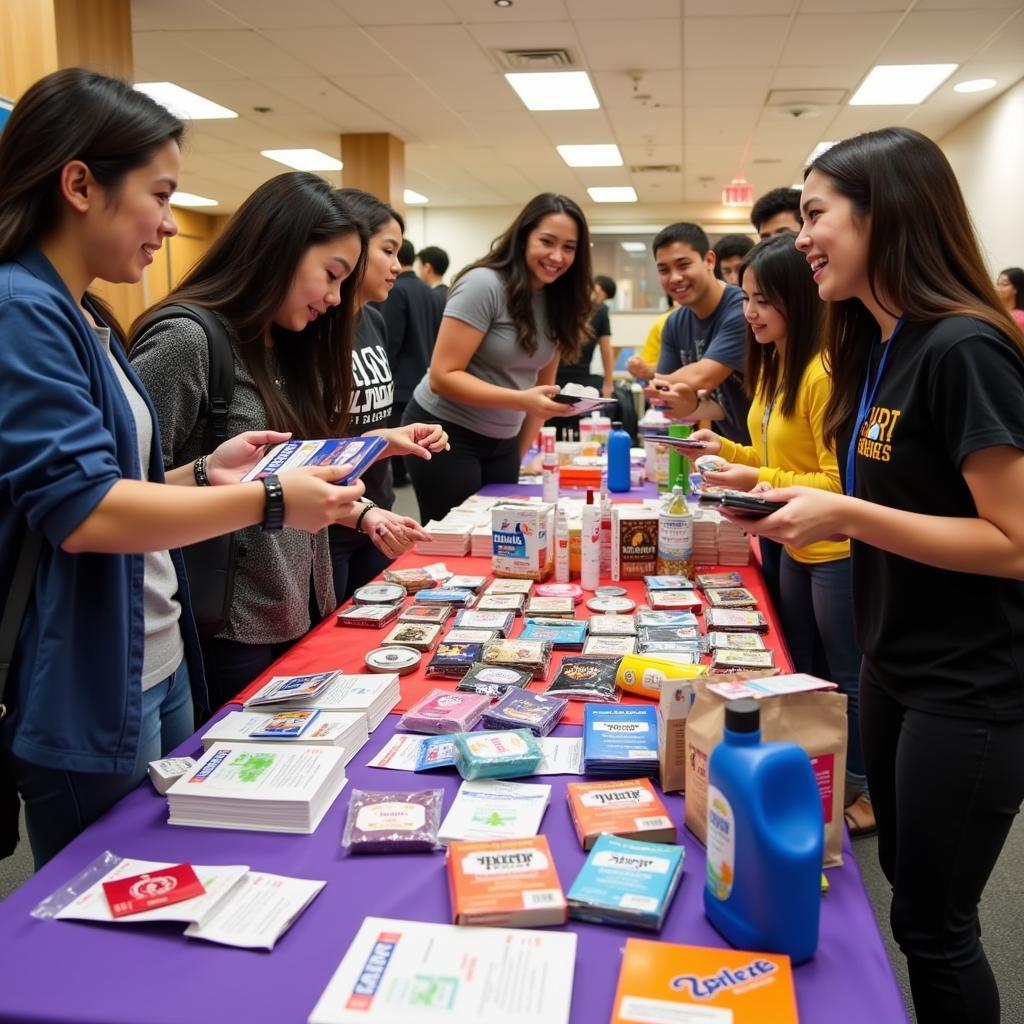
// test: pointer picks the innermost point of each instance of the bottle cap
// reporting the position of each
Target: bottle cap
(617, 425)
(590, 496)
(743, 715)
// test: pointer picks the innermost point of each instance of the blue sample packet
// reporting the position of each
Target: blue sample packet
(622, 736)
(570, 634)
(435, 752)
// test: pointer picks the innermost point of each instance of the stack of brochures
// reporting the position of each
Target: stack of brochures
(486, 809)
(448, 536)
(267, 787)
(346, 730)
(620, 741)
(627, 882)
(396, 972)
(371, 695)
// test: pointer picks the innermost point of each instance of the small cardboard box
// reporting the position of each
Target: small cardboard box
(634, 542)
(522, 541)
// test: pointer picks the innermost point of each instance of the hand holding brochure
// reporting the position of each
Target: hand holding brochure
(357, 452)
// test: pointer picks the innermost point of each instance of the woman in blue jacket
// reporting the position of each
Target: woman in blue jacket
(107, 659)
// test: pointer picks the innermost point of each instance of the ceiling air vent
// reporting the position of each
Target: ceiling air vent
(535, 59)
(655, 168)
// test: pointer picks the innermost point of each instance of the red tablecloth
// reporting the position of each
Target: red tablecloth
(330, 647)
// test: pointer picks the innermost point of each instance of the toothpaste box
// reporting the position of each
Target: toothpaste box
(522, 541)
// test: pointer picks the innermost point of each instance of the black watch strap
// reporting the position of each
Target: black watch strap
(273, 511)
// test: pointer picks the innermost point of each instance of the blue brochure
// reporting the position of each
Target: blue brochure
(357, 452)
(620, 741)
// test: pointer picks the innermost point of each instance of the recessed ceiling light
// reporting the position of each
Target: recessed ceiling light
(975, 85)
(607, 155)
(502, 3)
(303, 159)
(821, 147)
(182, 103)
(895, 84)
(613, 194)
(414, 198)
(633, 246)
(191, 199)
(554, 90)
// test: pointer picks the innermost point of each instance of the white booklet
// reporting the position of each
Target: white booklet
(397, 972)
(797, 682)
(401, 752)
(218, 881)
(560, 755)
(329, 729)
(373, 695)
(258, 911)
(494, 809)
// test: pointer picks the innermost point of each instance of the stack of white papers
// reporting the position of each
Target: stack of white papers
(733, 544)
(448, 536)
(705, 536)
(396, 972)
(480, 541)
(493, 809)
(267, 788)
(371, 695)
(346, 730)
(251, 909)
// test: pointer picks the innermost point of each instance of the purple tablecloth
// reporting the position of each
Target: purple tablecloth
(58, 971)
(645, 490)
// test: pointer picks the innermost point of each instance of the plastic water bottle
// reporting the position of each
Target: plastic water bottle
(590, 545)
(618, 459)
(765, 840)
(675, 535)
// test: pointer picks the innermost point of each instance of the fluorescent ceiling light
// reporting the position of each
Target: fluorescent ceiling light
(894, 84)
(554, 90)
(798, 185)
(303, 159)
(591, 156)
(634, 246)
(975, 85)
(613, 194)
(414, 198)
(183, 103)
(191, 199)
(821, 147)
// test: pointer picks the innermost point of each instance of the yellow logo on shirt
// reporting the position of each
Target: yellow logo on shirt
(875, 439)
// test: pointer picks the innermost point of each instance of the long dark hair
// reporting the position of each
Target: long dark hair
(1015, 275)
(245, 275)
(923, 258)
(374, 214)
(567, 300)
(783, 280)
(72, 114)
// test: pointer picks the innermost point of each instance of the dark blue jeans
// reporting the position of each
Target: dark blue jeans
(945, 791)
(817, 607)
(60, 804)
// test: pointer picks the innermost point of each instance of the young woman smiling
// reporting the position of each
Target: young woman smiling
(927, 412)
(107, 660)
(509, 318)
(789, 390)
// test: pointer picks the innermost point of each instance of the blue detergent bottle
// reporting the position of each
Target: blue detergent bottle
(619, 444)
(765, 840)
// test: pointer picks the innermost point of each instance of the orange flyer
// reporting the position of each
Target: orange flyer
(507, 882)
(658, 981)
(630, 808)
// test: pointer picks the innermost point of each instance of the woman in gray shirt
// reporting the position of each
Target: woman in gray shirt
(510, 317)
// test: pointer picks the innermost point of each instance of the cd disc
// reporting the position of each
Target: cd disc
(379, 593)
(393, 659)
(616, 605)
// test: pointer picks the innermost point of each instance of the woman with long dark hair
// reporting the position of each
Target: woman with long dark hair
(107, 660)
(1010, 289)
(927, 412)
(282, 277)
(789, 389)
(510, 317)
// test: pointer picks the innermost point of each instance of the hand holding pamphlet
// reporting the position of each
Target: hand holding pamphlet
(357, 452)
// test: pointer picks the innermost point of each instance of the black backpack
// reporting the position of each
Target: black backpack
(210, 564)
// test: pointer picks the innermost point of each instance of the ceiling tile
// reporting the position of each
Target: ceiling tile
(514, 127)
(647, 124)
(753, 42)
(632, 88)
(622, 45)
(424, 49)
(575, 127)
(337, 108)
(937, 37)
(522, 10)
(741, 87)
(463, 92)
(334, 51)
(156, 15)
(394, 12)
(1008, 46)
(862, 34)
(733, 8)
(174, 55)
(525, 35)
(274, 14)
(834, 76)
(853, 6)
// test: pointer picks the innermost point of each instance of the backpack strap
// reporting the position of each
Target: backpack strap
(22, 584)
(222, 364)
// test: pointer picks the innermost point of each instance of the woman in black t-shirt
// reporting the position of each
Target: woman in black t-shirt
(927, 412)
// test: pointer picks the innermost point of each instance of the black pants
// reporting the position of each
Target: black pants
(945, 791)
(451, 477)
(355, 561)
(399, 466)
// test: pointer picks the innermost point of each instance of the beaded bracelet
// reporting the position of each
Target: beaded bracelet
(199, 472)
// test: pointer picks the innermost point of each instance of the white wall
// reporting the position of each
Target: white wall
(987, 155)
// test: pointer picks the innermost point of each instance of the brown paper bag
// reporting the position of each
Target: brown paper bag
(677, 696)
(815, 720)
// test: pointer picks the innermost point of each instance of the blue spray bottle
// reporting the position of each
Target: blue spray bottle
(765, 840)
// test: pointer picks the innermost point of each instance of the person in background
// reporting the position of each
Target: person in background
(290, 322)
(729, 253)
(703, 343)
(777, 211)
(1010, 289)
(433, 265)
(789, 390)
(412, 315)
(357, 556)
(600, 338)
(107, 662)
(642, 365)
(510, 317)
(927, 414)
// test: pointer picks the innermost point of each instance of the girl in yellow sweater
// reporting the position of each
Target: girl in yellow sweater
(789, 390)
